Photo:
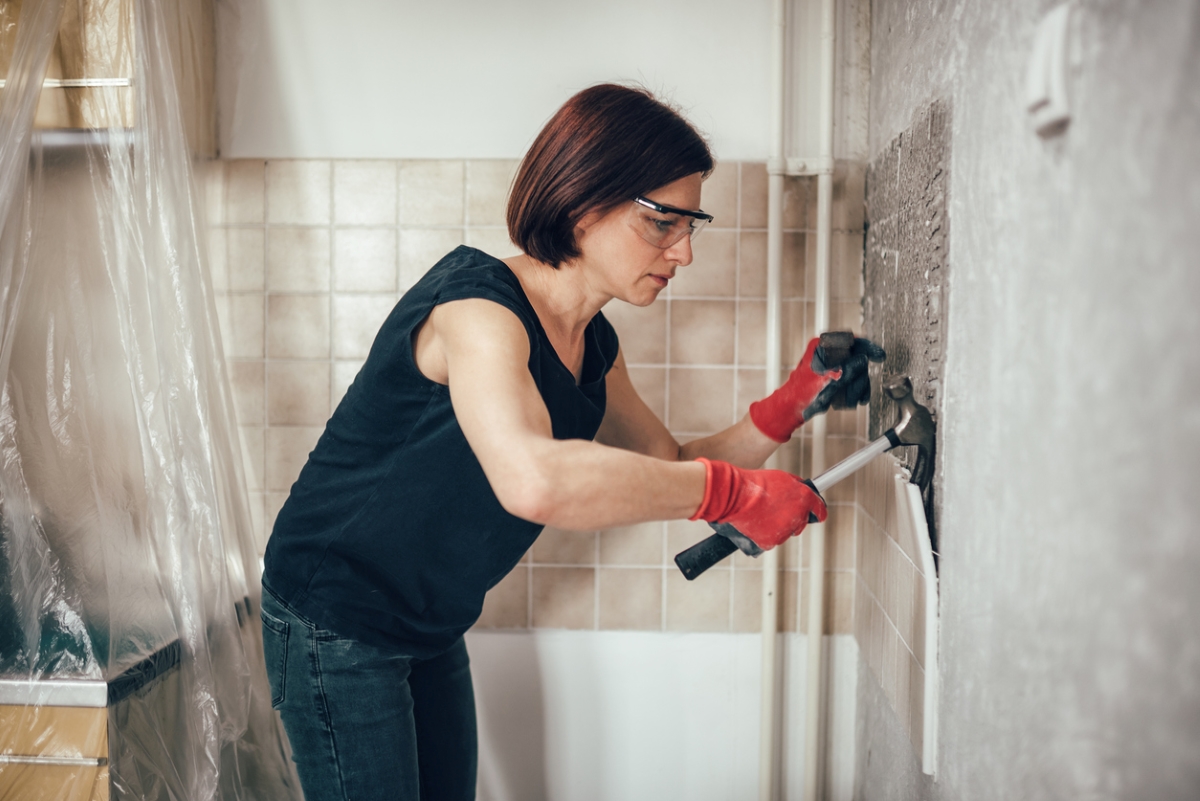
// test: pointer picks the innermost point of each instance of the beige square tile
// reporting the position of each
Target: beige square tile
(683, 534)
(631, 598)
(298, 192)
(700, 401)
(752, 332)
(702, 331)
(891, 659)
(905, 577)
(298, 259)
(875, 646)
(846, 315)
(298, 326)
(506, 605)
(217, 264)
(849, 196)
(839, 602)
(916, 707)
(642, 331)
(287, 449)
(719, 195)
(700, 605)
(492, 241)
(754, 194)
(487, 190)
(862, 617)
(751, 386)
(241, 320)
(245, 259)
(840, 536)
(651, 386)
(793, 278)
(557, 547)
(713, 271)
(846, 267)
(903, 700)
(747, 600)
(365, 260)
(795, 201)
(297, 393)
(244, 195)
(640, 544)
(796, 333)
(247, 378)
(420, 249)
(836, 449)
(341, 376)
(564, 597)
(752, 264)
(356, 321)
(431, 192)
(789, 601)
(917, 642)
(253, 439)
(364, 192)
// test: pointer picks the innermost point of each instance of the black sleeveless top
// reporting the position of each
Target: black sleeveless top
(391, 535)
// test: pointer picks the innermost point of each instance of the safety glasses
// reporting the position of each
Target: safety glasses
(663, 226)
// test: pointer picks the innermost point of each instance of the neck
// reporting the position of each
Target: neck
(563, 298)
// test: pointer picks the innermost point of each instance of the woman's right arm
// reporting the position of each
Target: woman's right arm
(481, 350)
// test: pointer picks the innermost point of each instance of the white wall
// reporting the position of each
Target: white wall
(645, 716)
(476, 79)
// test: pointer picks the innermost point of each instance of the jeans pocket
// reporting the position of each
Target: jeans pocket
(275, 645)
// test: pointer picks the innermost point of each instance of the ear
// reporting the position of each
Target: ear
(587, 221)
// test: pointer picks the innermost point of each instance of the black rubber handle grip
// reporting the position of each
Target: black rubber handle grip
(703, 555)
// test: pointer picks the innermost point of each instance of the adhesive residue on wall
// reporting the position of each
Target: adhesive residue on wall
(906, 262)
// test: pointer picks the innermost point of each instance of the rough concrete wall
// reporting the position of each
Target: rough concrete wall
(906, 267)
(1070, 430)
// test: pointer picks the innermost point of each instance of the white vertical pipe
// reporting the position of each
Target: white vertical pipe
(769, 718)
(815, 701)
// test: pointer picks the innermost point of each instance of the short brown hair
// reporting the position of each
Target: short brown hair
(606, 145)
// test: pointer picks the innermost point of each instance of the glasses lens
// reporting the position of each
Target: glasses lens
(663, 229)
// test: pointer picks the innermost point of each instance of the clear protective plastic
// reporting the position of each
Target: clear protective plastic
(130, 650)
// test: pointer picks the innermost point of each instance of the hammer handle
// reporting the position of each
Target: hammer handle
(708, 552)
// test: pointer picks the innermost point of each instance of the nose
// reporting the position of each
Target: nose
(681, 252)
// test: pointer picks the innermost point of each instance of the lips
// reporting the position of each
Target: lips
(661, 280)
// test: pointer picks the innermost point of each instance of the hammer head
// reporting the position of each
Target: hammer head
(915, 427)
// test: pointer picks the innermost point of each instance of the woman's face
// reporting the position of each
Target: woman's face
(620, 261)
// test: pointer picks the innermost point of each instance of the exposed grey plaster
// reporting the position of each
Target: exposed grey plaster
(1070, 414)
(906, 265)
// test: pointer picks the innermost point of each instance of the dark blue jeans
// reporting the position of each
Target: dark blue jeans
(366, 723)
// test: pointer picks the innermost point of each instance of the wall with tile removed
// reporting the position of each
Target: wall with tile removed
(1068, 549)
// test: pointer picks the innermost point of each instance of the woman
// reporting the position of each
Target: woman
(471, 426)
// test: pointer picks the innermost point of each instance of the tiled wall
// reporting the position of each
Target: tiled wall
(890, 593)
(309, 256)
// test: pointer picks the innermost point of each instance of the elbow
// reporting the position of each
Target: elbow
(529, 495)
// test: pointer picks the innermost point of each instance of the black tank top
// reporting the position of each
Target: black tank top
(391, 535)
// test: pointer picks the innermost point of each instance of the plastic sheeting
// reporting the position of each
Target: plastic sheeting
(130, 650)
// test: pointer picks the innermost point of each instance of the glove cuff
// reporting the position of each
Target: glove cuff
(720, 480)
(775, 419)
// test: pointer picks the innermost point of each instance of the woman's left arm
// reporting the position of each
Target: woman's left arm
(630, 424)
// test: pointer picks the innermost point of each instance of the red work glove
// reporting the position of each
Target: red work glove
(813, 386)
(768, 506)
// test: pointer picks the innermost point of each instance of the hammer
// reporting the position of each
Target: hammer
(915, 427)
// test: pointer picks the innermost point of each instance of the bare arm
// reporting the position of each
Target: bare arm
(629, 424)
(482, 351)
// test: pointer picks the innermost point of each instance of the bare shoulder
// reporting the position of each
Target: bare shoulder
(467, 330)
